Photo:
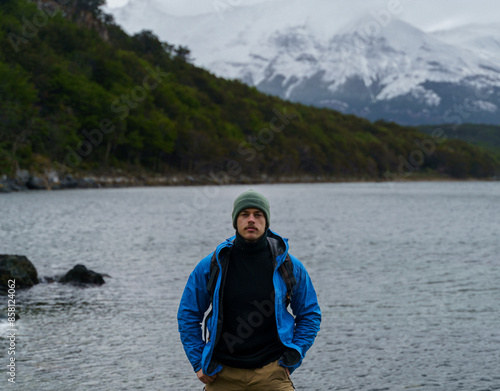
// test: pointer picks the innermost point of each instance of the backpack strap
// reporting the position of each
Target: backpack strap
(286, 270)
(214, 273)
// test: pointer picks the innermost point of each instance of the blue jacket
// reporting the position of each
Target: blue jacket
(296, 331)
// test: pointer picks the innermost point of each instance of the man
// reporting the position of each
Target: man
(252, 342)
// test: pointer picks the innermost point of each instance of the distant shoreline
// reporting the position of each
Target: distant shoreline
(94, 181)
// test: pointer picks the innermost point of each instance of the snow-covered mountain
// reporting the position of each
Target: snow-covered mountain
(376, 67)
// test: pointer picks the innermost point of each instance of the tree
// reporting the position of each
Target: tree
(17, 109)
(92, 6)
(183, 53)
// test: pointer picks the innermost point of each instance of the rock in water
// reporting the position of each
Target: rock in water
(19, 268)
(80, 275)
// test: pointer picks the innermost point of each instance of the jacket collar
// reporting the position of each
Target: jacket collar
(277, 243)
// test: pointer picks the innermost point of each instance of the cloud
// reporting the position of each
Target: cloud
(116, 3)
(431, 15)
(428, 15)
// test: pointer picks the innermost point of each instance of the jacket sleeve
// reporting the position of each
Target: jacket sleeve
(194, 303)
(306, 309)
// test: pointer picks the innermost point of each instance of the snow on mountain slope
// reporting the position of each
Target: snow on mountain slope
(394, 61)
(399, 59)
(305, 52)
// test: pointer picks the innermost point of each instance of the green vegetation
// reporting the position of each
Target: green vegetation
(77, 92)
(484, 136)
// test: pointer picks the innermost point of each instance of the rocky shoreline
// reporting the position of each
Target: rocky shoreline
(26, 181)
(50, 180)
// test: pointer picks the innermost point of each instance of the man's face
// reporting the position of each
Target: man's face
(251, 224)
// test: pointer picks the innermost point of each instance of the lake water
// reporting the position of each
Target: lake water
(407, 275)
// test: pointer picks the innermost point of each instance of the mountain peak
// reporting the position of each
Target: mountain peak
(305, 52)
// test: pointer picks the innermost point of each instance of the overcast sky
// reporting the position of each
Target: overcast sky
(428, 15)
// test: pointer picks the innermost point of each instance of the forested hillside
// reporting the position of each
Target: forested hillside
(486, 136)
(77, 92)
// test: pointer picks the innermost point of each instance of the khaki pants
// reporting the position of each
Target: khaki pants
(272, 377)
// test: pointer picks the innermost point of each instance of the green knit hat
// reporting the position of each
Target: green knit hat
(251, 199)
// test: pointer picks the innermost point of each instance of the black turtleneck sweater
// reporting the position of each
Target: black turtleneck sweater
(249, 337)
